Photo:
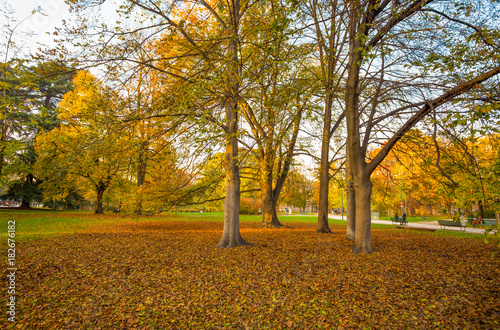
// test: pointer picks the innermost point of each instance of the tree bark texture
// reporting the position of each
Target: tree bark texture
(350, 204)
(363, 238)
(141, 174)
(269, 214)
(100, 189)
(324, 176)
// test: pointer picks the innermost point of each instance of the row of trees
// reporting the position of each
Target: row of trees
(262, 81)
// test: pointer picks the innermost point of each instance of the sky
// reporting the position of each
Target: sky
(37, 29)
(38, 25)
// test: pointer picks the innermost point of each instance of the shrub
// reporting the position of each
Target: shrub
(249, 206)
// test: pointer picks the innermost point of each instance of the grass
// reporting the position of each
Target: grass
(418, 218)
(39, 224)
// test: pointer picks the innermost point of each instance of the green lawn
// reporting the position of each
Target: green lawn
(37, 224)
(419, 218)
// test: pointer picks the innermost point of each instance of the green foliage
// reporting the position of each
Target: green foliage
(249, 206)
(31, 94)
(493, 235)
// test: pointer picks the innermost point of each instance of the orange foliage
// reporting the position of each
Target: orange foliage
(168, 274)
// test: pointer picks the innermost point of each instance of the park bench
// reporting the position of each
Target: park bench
(399, 220)
(449, 223)
(116, 211)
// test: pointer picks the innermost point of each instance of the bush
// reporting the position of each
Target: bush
(249, 206)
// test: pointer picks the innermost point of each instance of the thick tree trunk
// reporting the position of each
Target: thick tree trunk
(324, 176)
(25, 204)
(100, 189)
(363, 191)
(231, 236)
(269, 214)
(141, 173)
(350, 204)
(98, 205)
(355, 154)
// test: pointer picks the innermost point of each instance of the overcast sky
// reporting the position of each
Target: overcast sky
(38, 25)
(41, 25)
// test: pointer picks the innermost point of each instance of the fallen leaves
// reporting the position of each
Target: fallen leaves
(169, 274)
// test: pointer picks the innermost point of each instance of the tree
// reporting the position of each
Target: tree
(329, 25)
(33, 94)
(279, 94)
(89, 142)
(215, 54)
(372, 26)
(297, 190)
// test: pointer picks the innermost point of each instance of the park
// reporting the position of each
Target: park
(250, 164)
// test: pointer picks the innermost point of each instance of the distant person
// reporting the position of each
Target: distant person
(462, 219)
(478, 221)
(404, 216)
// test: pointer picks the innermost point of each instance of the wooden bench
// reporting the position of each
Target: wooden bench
(399, 220)
(448, 223)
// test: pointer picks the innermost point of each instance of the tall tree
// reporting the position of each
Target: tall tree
(280, 93)
(328, 21)
(214, 48)
(89, 142)
(374, 29)
(33, 94)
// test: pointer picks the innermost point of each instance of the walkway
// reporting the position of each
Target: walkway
(424, 225)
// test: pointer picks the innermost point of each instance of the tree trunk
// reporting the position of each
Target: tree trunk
(98, 205)
(481, 208)
(269, 215)
(354, 152)
(350, 204)
(363, 192)
(324, 175)
(141, 173)
(231, 236)
(25, 204)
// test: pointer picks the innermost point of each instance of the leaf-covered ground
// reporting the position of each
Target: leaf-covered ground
(169, 275)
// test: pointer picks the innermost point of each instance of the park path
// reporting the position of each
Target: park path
(422, 225)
